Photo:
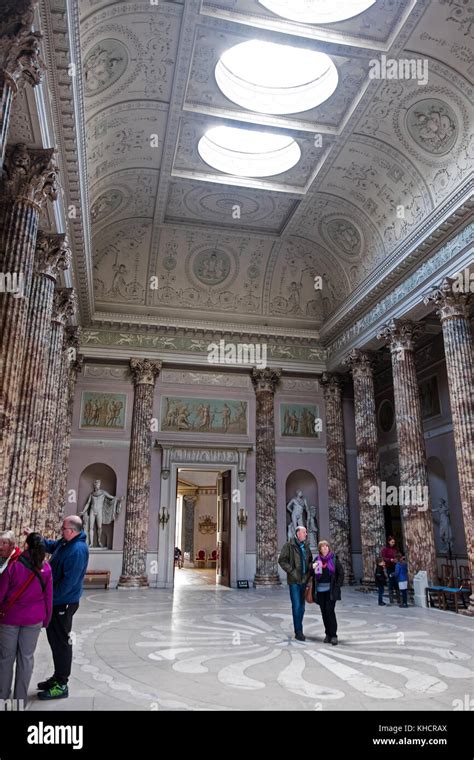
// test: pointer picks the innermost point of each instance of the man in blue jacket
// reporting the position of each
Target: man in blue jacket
(69, 559)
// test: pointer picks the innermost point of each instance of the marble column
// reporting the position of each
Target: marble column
(265, 382)
(339, 518)
(62, 429)
(64, 306)
(135, 547)
(414, 497)
(372, 523)
(29, 179)
(189, 503)
(52, 255)
(20, 62)
(453, 311)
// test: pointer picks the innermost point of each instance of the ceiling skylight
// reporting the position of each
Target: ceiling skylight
(317, 11)
(248, 153)
(275, 79)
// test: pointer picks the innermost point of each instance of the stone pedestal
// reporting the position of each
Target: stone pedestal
(453, 311)
(339, 518)
(415, 508)
(144, 373)
(372, 524)
(265, 382)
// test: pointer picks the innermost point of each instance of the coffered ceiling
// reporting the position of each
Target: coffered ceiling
(172, 238)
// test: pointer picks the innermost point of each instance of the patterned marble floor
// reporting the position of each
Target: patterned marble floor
(206, 648)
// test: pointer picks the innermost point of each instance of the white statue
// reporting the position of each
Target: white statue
(297, 506)
(313, 530)
(101, 508)
(445, 530)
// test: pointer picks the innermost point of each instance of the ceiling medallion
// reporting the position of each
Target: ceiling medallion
(275, 79)
(342, 235)
(248, 152)
(433, 125)
(211, 267)
(104, 64)
(317, 11)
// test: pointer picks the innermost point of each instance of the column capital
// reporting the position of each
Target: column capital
(64, 305)
(332, 383)
(16, 13)
(265, 379)
(450, 301)
(30, 173)
(144, 371)
(360, 362)
(400, 334)
(52, 254)
(20, 57)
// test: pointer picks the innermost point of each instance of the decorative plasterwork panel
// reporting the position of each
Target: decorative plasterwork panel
(210, 204)
(106, 372)
(130, 195)
(120, 261)
(204, 378)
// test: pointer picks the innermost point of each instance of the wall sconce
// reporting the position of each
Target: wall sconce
(164, 517)
(242, 517)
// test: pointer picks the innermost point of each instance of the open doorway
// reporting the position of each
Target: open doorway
(202, 531)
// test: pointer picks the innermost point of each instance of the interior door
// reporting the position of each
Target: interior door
(223, 528)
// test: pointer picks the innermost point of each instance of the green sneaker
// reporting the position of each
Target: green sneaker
(57, 691)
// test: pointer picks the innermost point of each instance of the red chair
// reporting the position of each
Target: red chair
(200, 559)
(212, 558)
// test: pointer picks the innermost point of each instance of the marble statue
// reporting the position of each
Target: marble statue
(297, 506)
(313, 530)
(101, 508)
(445, 530)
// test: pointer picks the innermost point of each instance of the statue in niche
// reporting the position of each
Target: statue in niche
(101, 509)
(313, 530)
(297, 506)
(446, 538)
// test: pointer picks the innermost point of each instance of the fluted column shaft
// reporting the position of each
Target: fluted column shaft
(144, 373)
(339, 517)
(29, 178)
(62, 427)
(63, 308)
(51, 255)
(74, 369)
(452, 309)
(372, 522)
(265, 382)
(415, 506)
(20, 62)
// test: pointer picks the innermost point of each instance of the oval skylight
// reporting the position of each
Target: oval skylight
(248, 153)
(275, 79)
(317, 11)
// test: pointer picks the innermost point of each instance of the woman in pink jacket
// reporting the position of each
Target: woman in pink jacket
(26, 595)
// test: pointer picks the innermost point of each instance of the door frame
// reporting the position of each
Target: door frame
(166, 535)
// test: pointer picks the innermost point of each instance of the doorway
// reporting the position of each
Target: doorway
(202, 540)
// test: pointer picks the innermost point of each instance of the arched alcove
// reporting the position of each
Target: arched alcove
(108, 482)
(438, 492)
(302, 480)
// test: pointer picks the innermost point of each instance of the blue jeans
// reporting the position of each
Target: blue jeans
(297, 604)
(380, 590)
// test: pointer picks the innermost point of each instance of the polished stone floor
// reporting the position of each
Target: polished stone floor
(206, 648)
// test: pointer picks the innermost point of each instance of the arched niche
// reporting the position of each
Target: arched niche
(108, 482)
(438, 491)
(302, 480)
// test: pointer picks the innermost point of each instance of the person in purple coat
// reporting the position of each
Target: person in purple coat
(26, 604)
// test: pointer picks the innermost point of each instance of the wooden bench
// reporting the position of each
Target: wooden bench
(97, 576)
(445, 594)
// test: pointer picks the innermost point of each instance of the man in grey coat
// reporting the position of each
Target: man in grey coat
(297, 562)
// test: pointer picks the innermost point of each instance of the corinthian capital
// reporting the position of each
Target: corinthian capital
(400, 334)
(20, 57)
(265, 379)
(52, 254)
(64, 305)
(144, 371)
(360, 363)
(332, 384)
(450, 299)
(30, 173)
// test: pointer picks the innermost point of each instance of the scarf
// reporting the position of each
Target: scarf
(323, 562)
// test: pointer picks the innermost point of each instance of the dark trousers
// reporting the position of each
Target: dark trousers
(297, 604)
(404, 596)
(58, 632)
(327, 612)
(392, 586)
(380, 589)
